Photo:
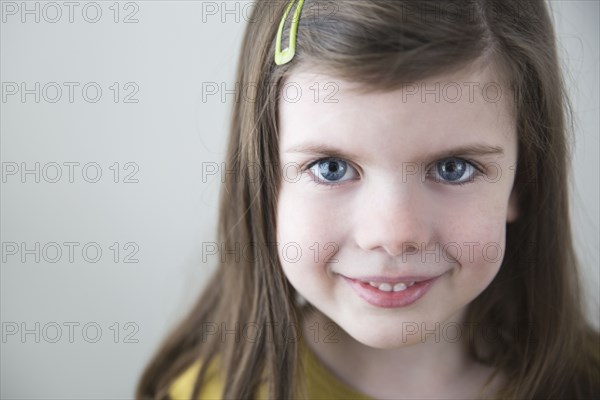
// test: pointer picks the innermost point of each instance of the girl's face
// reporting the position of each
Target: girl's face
(393, 206)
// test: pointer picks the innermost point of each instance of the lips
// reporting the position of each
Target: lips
(391, 292)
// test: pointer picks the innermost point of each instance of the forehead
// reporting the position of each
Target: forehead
(460, 108)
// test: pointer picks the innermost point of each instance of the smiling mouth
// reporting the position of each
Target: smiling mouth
(391, 294)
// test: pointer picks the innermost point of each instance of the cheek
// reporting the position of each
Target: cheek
(308, 234)
(482, 246)
(308, 216)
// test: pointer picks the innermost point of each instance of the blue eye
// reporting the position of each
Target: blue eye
(331, 170)
(454, 170)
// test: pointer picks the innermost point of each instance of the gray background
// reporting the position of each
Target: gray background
(111, 313)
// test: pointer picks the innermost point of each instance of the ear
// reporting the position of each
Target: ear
(512, 212)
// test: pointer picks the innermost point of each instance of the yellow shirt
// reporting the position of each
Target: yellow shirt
(320, 382)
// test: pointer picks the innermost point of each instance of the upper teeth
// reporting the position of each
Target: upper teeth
(388, 287)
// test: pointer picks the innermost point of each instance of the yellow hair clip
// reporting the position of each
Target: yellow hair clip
(285, 56)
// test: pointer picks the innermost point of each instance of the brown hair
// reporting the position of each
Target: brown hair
(546, 348)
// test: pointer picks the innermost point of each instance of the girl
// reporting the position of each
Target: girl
(399, 212)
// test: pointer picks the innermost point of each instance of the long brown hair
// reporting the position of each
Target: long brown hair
(546, 348)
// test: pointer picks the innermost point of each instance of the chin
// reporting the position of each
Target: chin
(384, 339)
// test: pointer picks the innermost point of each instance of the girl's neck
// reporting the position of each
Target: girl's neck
(432, 369)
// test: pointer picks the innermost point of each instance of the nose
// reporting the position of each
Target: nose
(393, 220)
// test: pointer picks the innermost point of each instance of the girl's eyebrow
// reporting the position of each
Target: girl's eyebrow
(476, 149)
(321, 150)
